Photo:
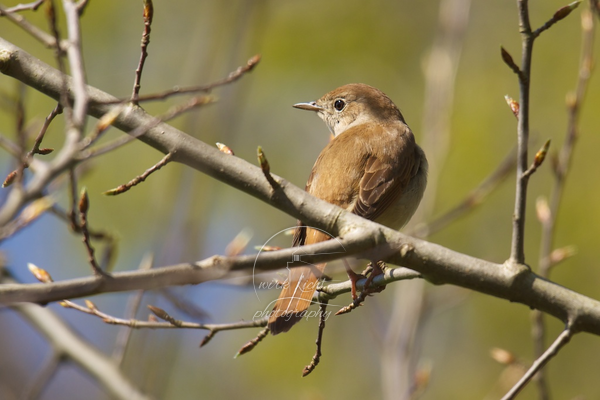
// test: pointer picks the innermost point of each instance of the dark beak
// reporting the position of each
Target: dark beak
(312, 106)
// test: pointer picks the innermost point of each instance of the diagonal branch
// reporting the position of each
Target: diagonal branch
(552, 351)
(64, 340)
(360, 237)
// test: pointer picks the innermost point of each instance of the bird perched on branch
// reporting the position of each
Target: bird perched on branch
(373, 167)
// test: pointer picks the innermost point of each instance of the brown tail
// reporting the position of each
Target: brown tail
(295, 297)
(298, 291)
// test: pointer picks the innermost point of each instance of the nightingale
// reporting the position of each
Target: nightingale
(372, 167)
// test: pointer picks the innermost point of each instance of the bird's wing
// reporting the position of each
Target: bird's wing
(384, 180)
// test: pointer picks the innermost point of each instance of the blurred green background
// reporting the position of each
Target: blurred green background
(309, 48)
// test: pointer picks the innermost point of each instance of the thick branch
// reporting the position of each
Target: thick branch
(72, 346)
(436, 263)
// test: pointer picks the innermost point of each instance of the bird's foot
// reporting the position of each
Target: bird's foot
(372, 272)
(354, 278)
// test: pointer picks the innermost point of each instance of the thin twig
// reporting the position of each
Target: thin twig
(148, 15)
(184, 305)
(30, 213)
(517, 253)
(574, 102)
(91, 309)
(173, 112)
(232, 77)
(73, 201)
(558, 15)
(74, 52)
(140, 178)
(21, 137)
(45, 38)
(102, 125)
(35, 148)
(59, 54)
(83, 210)
(81, 6)
(9, 146)
(245, 348)
(133, 305)
(38, 140)
(552, 351)
(319, 342)
(22, 7)
(94, 234)
(331, 291)
(355, 303)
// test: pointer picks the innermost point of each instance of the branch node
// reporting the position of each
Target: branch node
(516, 270)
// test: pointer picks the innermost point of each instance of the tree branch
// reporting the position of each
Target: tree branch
(91, 360)
(359, 237)
(552, 351)
(517, 252)
(561, 169)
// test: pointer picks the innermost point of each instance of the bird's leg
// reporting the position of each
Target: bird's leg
(354, 277)
(367, 290)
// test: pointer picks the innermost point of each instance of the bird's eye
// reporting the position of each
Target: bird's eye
(339, 105)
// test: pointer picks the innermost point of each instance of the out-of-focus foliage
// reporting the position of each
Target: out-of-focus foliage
(308, 48)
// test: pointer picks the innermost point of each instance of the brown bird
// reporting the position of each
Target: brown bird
(372, 167)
